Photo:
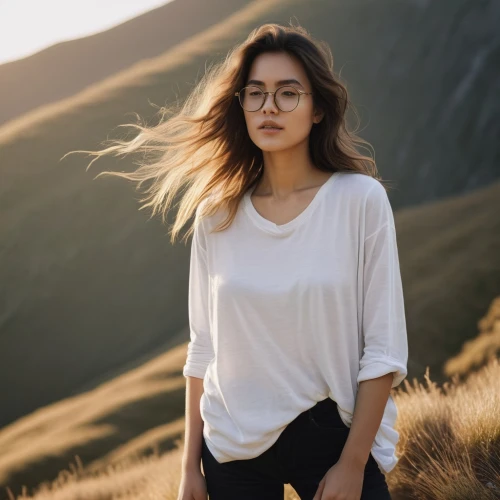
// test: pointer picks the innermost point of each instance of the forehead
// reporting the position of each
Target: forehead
(270, 67)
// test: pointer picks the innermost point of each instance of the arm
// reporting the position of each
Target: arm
(385, 353)
(370, 404)
(200, 350)
(191, 458)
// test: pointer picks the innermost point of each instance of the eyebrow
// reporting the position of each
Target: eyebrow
(280, 82)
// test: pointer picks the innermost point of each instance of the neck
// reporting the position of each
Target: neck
(287, 171)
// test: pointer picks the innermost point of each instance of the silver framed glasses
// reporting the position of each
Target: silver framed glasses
(286, 98)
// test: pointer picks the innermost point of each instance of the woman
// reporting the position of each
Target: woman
(296, 308)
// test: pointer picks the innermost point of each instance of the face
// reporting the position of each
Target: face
(267, 72)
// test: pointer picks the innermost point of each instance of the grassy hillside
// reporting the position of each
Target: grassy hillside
(66, 68)
(133, 413)
(89, 284)
(450, 266)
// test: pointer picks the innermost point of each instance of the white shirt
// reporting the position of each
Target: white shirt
(283, 316)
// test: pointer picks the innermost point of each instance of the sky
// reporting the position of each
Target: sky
(27, 26)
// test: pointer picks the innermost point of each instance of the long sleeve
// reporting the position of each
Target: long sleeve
(383, 316)
(200, 349)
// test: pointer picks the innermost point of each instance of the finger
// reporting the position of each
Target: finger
(319, 491)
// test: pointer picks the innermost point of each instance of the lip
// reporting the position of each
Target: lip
(270, 131)
(270, 123)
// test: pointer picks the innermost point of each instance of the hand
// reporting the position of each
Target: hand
(193, 486)
(343, 481)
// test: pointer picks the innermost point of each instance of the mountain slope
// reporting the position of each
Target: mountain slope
(450, 266)
(87, 282)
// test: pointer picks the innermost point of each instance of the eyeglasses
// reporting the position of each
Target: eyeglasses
(286, 98)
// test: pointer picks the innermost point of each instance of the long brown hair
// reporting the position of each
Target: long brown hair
(205, 143)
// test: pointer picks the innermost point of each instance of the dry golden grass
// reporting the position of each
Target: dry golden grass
(449, 443)
(449, 438)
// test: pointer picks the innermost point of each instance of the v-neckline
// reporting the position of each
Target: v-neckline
(284, 229)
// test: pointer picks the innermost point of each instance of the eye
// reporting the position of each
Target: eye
(288, 92)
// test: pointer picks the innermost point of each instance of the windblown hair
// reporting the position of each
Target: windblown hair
(205, 143)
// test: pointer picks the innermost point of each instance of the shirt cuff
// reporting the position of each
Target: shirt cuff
(380, 366)
(194, 370)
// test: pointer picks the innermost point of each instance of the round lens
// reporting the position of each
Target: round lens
(287, 98)
(251, 98)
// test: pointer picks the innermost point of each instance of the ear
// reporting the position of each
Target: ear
(318, 115)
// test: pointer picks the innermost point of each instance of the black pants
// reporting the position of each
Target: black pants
(309, 446)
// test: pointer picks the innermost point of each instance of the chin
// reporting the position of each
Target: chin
(278, 146)
(273, 144)
(269, 148)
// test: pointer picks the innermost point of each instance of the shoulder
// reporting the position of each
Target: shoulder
(362, 188)
(201, 209)
(202, 206)
(366, 198)
(208, 216)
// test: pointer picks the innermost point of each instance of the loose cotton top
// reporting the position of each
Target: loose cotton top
(284, 316)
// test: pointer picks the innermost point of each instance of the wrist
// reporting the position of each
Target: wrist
(189, 465)
(354, 460)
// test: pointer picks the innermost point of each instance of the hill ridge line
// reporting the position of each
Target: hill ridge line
(178, 55)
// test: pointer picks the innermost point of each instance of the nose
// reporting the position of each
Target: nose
(269, 104)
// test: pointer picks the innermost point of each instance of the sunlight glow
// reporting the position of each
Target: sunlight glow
(28, 26)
